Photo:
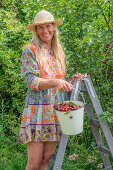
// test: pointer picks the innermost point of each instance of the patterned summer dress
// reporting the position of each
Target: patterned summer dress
(39, 121)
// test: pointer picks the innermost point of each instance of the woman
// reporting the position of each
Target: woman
(43, 66)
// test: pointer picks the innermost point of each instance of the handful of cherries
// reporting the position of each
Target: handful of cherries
(66, 106)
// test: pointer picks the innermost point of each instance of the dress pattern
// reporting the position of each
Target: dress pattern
(39, 120)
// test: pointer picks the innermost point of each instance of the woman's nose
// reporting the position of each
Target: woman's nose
(45, 29)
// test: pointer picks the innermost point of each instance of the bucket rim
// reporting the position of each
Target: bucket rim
(69, 110)
(72, 110)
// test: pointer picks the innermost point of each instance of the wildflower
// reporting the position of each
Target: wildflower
(92, 157)
(89, 160)
(76, 156)
(100, 165)
(72, 157)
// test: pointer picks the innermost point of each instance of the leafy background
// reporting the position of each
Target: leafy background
(87, 29)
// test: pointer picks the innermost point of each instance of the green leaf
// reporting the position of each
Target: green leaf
(72, 103)
(58, 107)
(103, 119)
(67, 112)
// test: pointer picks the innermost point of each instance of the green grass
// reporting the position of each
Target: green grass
(14, 156)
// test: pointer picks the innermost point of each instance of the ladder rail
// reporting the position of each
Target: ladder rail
(98, 137)
(98, 110)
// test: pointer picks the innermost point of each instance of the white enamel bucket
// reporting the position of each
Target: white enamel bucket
(72, 123)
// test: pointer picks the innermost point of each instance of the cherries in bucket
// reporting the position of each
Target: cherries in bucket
(66, 107)
(70, 116)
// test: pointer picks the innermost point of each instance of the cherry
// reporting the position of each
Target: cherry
(105, 49)
(65, 106)
(108, 44)
(71, 117)
(73, 109)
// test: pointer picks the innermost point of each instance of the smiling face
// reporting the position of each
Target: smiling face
(45, 32)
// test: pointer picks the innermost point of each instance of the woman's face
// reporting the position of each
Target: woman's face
(45, 32)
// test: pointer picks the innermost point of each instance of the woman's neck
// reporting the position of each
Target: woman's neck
(48, 46)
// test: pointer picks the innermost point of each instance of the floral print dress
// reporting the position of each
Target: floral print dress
(39, 120)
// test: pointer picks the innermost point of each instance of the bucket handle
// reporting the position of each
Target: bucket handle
(82, 97)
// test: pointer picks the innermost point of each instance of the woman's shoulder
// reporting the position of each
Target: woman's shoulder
(31, 48)
(30, 51)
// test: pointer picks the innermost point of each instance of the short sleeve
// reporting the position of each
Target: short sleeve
(30, 68)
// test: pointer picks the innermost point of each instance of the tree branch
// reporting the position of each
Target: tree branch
(105, 18)
(109, 13)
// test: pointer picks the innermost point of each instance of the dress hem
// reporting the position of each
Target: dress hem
(39, 133)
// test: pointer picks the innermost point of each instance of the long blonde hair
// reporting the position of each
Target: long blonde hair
(56, 47)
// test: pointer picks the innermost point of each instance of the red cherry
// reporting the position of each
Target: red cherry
(104, 62)
(108, 44)
(65, 106)
(105, 49)
(72, 109)
(71, 117)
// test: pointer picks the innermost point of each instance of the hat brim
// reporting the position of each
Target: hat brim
(32, 27)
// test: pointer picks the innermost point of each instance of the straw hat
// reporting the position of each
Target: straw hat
(44, 17)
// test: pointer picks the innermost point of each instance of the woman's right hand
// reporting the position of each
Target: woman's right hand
(63, 85)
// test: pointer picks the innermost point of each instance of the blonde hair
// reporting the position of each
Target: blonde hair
(56, 47)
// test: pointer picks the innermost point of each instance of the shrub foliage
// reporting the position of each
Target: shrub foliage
(86, 35)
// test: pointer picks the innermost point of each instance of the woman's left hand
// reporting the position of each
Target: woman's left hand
(78, 76)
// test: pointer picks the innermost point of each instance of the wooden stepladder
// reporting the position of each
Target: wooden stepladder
(94, 123)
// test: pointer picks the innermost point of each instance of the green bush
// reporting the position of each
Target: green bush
(86, 32)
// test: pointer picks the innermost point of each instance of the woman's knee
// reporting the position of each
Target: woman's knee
(34, 163)
(49, 149)
(46, 157)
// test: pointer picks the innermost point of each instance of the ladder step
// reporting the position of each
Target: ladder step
(95, 121)
(105, 150)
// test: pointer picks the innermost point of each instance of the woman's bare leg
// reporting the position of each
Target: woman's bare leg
(35, 154)
(49, 148)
